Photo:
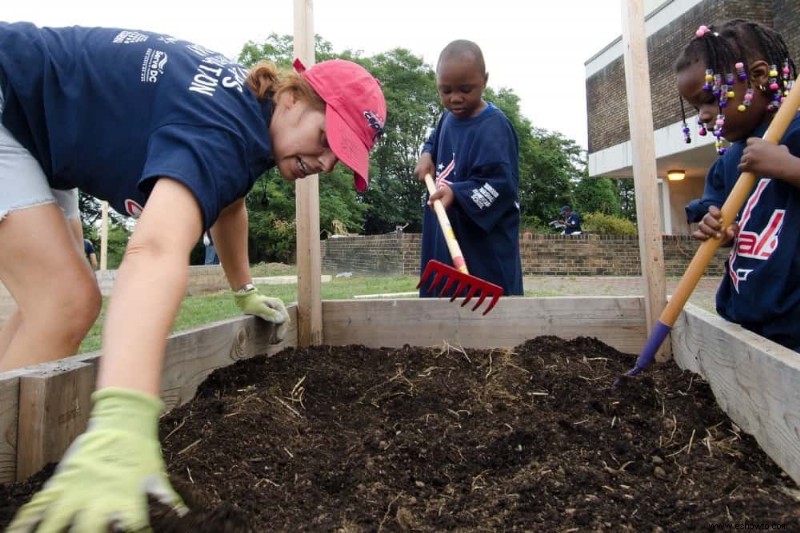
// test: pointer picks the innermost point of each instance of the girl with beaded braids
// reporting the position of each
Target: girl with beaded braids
(736, 76)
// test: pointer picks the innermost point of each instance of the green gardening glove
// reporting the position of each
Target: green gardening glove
(251, 302)
(107, 473)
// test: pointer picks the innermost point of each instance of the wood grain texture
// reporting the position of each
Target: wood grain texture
(619, 322)
(755, 381)
(54, 407)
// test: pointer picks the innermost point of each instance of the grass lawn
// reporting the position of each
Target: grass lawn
(196, 311)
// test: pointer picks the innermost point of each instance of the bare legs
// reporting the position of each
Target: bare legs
(56, 293)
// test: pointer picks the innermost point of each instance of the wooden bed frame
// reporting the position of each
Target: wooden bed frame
(757, 382)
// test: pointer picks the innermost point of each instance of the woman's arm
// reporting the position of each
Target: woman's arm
(229, 234)
(151, 283)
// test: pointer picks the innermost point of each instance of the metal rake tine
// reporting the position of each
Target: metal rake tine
(495, 299)
(484, 294)
(447, 285)
(425, 274)
(472, 290)
(459, 289)
(437, 278)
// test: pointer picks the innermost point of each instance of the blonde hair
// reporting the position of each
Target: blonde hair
(268, 82)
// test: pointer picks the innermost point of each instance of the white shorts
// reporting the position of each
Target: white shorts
(22, 181)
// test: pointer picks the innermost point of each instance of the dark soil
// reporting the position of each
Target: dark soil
(352, 439)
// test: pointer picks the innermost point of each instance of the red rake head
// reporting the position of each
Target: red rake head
(457, 283)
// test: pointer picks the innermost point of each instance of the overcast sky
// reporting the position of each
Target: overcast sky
(537, 48)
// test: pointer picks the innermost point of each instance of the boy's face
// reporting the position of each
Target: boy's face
(460, 84)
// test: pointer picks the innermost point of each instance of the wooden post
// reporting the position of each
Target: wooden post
(104, 236)
(645, 175)
(309, 262)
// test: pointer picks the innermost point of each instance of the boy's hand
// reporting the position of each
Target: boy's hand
(251, 302)
(424, 166)
(107, 473)
(711, 227)
(443, 193)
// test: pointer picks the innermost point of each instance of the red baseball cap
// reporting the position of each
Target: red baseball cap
(355, 112)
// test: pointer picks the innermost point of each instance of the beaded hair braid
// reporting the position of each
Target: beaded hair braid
(727, 50)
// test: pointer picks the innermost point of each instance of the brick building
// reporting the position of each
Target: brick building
(669, 25)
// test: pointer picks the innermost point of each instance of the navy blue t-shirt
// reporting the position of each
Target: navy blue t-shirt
(479, 159)
(108, 110)
(761, 286)
(573, 224)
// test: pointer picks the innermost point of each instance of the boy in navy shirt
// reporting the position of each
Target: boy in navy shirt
(474, 155)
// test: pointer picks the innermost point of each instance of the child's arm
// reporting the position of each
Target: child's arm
(764, 158)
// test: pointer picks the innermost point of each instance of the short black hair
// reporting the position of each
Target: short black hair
(462, 48)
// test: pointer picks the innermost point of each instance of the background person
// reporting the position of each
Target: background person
(571, 221)
(211, 257)
(89, 252)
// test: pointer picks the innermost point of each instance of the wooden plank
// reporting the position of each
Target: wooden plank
(9, 419)
(309, 255)
(192, 355)
(54, 407)
(755, 381)
(619, 322)
(643, 155)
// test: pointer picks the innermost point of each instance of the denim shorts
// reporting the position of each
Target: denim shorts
(22, 181)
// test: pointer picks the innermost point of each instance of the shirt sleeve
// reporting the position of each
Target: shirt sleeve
(492, 187)
(210, 162)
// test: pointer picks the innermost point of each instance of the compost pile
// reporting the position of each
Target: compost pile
(535, 438)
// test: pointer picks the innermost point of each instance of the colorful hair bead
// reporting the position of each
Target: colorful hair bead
(747, 100)
(701, 128)
(708, 78)
(717, 89)
(740, 72)
(701, 31)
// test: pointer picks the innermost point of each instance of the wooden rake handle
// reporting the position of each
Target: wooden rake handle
(449, 236)
(741, 190)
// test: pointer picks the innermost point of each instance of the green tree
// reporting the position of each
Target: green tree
(395, 195)
(627, 197)
(597, 195)
(551, 165)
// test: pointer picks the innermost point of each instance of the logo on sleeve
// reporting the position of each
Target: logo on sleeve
(133, 208)
(484, 196)
(129, 37)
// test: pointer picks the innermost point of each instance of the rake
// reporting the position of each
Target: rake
(458, 279)
(741, 190)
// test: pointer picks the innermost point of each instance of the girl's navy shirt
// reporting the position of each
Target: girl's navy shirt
(761, 286)
(110, 110)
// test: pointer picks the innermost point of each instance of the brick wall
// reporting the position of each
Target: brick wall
(542, 255)
(606, 97)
